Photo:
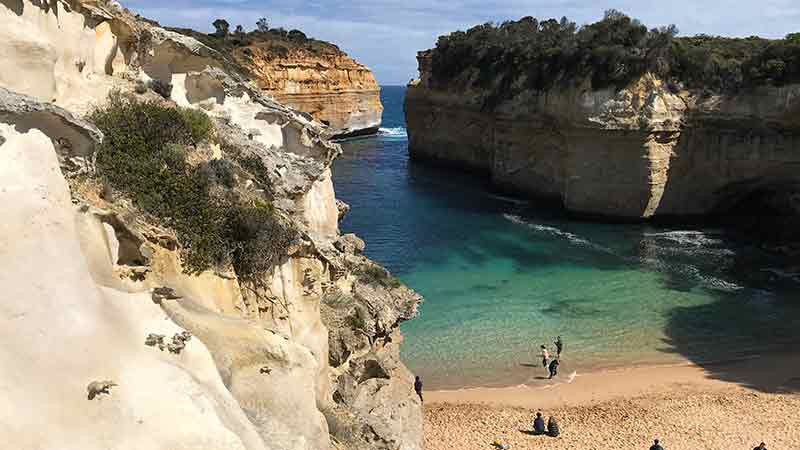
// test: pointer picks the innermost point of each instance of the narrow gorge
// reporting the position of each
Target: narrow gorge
(614, 121)
(173, 272)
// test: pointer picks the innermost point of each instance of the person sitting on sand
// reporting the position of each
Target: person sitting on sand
(538, 424)
(554, 367)
(552, 427)
(656, 446)
(545, 356)
(761, 446)
(559, 346)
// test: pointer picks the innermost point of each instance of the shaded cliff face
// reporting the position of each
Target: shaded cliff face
(635, 152)
(303, 356)
(306, 74)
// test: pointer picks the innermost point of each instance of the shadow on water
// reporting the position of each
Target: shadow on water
(745, 333)
(478, 254)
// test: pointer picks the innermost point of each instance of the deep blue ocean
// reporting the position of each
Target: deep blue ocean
(501, 276)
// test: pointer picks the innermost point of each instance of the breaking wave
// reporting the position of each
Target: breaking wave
(396, 132)
(694, 238)
(545, 229)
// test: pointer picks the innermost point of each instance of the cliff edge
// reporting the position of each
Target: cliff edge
(309, 75)
(612, 119)
(172, 268)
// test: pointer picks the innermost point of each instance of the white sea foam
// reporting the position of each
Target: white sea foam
(572, 376)
(545, 229)
(691, 272)
(518, 201)
(686, 237)
(396, 132)
(696, 243)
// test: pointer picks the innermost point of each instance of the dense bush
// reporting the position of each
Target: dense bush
(532, 55)
(143, 155)
(374, 274)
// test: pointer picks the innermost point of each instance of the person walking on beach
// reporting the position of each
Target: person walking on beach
(418, 387)
(761, 446)
(538, 424)
(545, 356)
(559, 346)
(656, 446)
(554, 367)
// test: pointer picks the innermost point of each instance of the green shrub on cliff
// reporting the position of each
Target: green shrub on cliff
(528, 54)
(374, 274)
(144, 155)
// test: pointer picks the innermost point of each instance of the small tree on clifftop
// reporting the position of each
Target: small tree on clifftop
(222, 27)
(262, 25)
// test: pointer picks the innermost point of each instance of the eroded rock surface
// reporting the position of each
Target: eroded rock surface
(332, 87)
(642, 151)
(93, 277)
(309, 75)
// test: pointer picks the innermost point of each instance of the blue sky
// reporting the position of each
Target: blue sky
(386, 34)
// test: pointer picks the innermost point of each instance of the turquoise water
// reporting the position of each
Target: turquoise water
(502, 276)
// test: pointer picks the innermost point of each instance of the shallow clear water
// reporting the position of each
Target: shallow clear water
(501, 276)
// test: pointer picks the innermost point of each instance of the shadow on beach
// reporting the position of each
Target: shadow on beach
(769, 365)
(747, 335)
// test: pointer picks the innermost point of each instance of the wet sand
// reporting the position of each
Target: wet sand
(725, 405)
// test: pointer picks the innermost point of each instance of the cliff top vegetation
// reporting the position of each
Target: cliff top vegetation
(529, 54)
(275, 42)
(146, 155)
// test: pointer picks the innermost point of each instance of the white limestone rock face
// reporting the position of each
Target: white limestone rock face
(78, 267)
(58, 54)
(61, 331)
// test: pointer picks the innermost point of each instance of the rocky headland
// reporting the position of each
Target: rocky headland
(613, 120)
(309, 75)
(173, 273)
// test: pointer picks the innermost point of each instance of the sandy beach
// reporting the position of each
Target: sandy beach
(723, 405)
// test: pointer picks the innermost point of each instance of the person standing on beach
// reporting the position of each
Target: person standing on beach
(554, 367)
(545, 356)
(656, 446)
(418, 388)
(761, 446)
(559, 346)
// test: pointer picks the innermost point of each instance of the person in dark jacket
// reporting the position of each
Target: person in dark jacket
(761, 446)
(559, 346)
(554, 367)
(418, 387)
(656, 446)
(552, 427)
(538, 424)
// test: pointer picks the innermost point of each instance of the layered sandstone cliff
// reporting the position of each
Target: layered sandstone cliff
(644, 150)
(307, 357)
(332, 87)
(312, 76)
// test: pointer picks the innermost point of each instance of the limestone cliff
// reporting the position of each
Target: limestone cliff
(306, 356)
(309, 75)
(646, 149)
(332, 87)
